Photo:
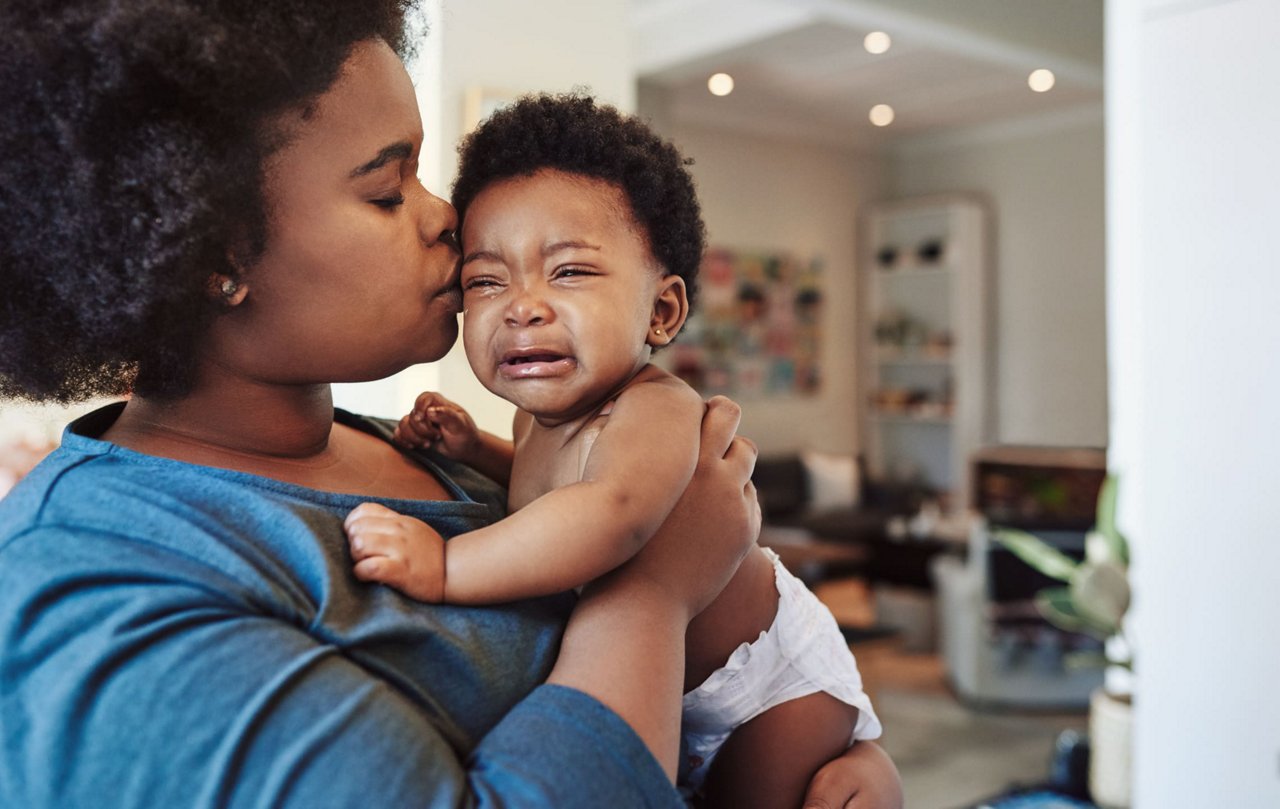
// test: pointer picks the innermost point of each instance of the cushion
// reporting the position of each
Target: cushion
(833, 480)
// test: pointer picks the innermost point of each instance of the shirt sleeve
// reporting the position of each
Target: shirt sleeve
(126, 680)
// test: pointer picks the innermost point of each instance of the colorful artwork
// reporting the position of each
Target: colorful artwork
(756, 327)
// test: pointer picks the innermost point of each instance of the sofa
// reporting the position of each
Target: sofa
(829, 497)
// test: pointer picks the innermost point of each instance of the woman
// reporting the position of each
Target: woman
(216, 210)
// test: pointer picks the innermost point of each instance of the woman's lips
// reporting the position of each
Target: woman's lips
(453, 296)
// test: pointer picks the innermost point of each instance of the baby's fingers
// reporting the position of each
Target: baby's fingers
(367, 514)
(448, 419)
(383, 570)
(415, 431)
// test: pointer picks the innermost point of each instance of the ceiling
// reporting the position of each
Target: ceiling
(801, 71)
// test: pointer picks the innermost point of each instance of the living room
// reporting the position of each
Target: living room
(1111, 204)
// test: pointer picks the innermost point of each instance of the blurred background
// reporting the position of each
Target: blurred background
(968, 257)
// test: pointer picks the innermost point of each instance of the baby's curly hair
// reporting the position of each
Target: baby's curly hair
(572, 133)
(133, 135)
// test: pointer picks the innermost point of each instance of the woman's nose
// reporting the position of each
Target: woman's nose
(527, 307)
(439, 221)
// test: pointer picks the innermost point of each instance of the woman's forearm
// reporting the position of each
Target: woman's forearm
(625, 647)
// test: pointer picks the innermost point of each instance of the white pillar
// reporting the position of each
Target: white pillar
(1194, 282)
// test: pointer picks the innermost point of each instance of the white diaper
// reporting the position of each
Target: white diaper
(802, 653)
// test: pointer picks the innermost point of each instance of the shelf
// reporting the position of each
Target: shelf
(918, 271)
(903, 304)
(909, 418)
(913, 358)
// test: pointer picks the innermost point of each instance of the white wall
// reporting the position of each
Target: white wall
(1044, 181)
(761, 193)
(1193, 177)
(507, 48)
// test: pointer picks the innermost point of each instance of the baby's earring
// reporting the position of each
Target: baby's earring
(226, 289)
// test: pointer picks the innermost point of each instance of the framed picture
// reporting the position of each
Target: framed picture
(757, 329)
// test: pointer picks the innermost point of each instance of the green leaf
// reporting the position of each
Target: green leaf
(1059, 607)
(1039, 554)
(1100, 593)
(1085, 660)
(1055, 604)
(1106, 521)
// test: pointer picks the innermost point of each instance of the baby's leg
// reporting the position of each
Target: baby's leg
(745, 608)
(767, 763)
(769, 760)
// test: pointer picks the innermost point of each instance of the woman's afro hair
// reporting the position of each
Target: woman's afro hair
(133, 135)
(574, 134)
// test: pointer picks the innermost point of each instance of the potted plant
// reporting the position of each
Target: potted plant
(1094, 599)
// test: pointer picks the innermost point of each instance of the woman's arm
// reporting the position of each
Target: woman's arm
(625, 643)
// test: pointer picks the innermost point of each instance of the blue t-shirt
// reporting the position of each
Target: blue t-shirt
(184, 636)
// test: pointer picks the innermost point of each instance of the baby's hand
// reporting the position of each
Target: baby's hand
(439, 423)
(396, 550)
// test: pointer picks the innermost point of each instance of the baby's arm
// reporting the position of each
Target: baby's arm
(437, 423)
(404, 552)
(637, 469)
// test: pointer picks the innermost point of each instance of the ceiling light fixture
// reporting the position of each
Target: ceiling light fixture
(877, 42)
(720, 84)
(1041, 80)
(881, 115)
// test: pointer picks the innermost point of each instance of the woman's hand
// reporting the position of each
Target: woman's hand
(864, 777)
(717, 520)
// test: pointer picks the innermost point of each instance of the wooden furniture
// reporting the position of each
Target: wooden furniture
(998, 650)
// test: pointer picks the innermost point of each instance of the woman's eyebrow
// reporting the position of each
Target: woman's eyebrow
(396, 151)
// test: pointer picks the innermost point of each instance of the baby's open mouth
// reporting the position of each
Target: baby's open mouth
(526, 359)
(535, 363)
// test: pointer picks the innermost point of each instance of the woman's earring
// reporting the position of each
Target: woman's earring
(229, 287)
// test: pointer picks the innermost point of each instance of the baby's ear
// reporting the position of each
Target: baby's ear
(670, 309)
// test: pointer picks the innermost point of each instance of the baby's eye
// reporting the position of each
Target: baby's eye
(573, 272)
(480, 282)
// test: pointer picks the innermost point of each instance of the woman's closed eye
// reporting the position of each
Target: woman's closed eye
(390, 201)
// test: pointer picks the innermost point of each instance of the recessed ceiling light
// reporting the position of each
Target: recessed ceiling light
(877, 42)
(720, 84)
(1041, 80)
(881, 115)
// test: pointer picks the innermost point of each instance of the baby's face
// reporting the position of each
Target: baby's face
(559, 291)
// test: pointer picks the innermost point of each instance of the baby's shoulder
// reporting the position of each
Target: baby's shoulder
(654, 386)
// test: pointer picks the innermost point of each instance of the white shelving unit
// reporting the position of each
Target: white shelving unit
(926, 343)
